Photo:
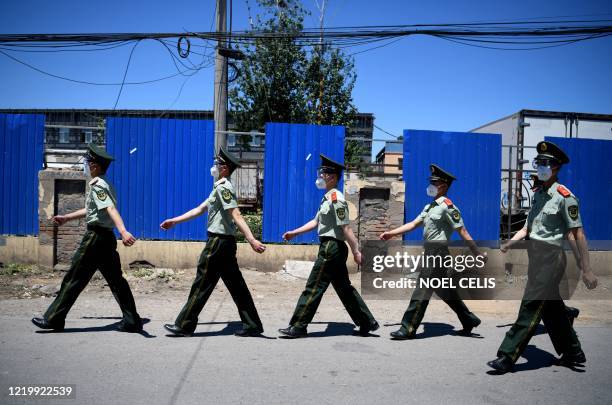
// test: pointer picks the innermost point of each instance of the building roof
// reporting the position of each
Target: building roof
(551, 114)
(394, 147)
(390, 147)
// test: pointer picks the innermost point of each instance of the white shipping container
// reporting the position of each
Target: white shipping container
(524, 130)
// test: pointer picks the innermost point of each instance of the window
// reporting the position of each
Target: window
(400, 162)
(231, 140)
(87, 136)
(64, 135)
(255, 140)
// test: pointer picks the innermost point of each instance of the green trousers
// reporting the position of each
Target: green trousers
(218, 260)
(542, 302)
(97, 251)
(420, 298)
(330, 267)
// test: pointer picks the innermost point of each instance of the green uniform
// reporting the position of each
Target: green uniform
(554, 212)
(221, 199)
(218, 261)
(330, 267)
(440, 219)
(97, 251)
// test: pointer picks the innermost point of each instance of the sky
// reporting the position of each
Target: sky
(416, 83)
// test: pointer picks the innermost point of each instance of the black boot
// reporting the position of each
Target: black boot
(502, 364)
(370, 327)
(244, 332)
(401, 334)
(42, 323)
(572, 359)
(467, 330)
(293, 332)
(175, 330)
(124, 327)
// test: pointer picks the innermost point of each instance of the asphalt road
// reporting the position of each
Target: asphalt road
(330, 366)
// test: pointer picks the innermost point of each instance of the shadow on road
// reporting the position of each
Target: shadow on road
(537, 359)
(435, 329)
(230, 328)
(104, 328)
(334, 329)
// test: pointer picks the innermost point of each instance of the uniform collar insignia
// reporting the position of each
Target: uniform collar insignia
(552, 189)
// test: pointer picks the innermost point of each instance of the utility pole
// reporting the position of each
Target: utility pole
(321, 8)
(220, 107)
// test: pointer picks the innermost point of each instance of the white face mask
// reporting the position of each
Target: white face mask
(214, 171)
(544, 173)
(320, 183)
(86, 168)
(432, 190)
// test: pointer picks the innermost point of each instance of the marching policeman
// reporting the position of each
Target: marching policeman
(98, 249)
(553, 216)
(440, 219)
(218, 259)
(332, 223)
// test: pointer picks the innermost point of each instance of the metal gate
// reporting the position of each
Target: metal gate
(589, 177)
(475, 159)
(291, 161)
(161, 171)
(21, 153)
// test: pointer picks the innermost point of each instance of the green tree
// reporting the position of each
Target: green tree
(279, 80)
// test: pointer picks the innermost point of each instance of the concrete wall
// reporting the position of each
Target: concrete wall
(19, 249)
(170, 254)
(183, 255)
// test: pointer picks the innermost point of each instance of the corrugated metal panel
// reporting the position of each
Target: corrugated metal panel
(291, 161)
(589, 177)
(161, 171)
(21, 149)
(475, 159)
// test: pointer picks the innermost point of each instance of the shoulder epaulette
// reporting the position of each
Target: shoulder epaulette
(563, 191)
(448, 202)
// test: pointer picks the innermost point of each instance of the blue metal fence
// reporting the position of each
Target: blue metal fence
(21, 152)
(589, 177)
(475, 159)
(291, 161)
(161, 170)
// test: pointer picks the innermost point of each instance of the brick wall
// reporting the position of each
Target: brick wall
(375, 205)
(69, 197)
(60, 192)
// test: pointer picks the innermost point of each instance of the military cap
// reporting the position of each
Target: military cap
(548, 150)
(330, 166)
(225, 157)
(439, 174)
(97, 154)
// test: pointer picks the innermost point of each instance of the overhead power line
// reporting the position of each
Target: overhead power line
(498, 35)
(523, 32)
